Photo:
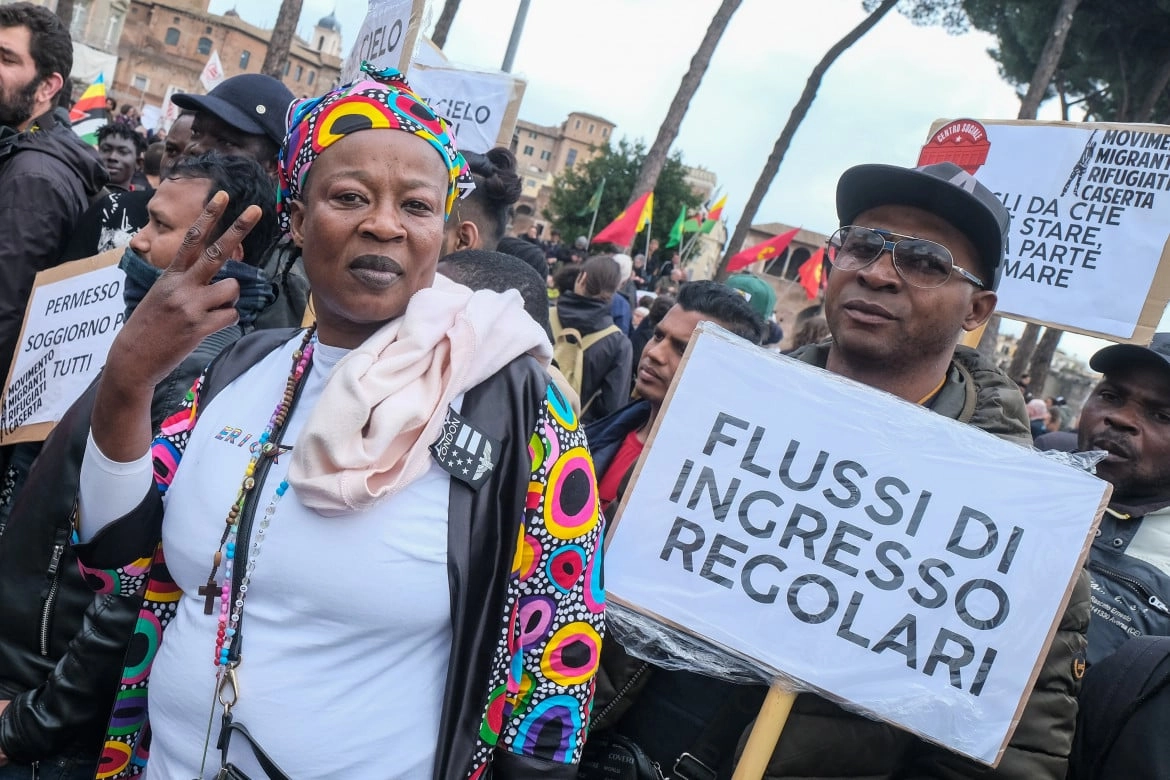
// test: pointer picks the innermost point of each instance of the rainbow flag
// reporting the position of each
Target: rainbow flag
(89, 112)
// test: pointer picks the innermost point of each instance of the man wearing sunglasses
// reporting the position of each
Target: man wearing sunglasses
(914, 266)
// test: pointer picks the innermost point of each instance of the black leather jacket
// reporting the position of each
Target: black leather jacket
(62, 649)
(1131, 597)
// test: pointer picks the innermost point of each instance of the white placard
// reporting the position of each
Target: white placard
(909, 565)
(1090, 209)
(151, 117)
(475, 102)
(73, 314)
(387, 36)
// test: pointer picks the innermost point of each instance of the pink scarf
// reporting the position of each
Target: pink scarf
(383, 406)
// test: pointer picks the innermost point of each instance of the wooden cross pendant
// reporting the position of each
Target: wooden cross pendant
(209, 592)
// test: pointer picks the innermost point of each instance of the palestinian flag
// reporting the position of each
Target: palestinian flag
(89, 113)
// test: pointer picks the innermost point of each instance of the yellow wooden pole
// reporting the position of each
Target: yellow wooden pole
(765, 733)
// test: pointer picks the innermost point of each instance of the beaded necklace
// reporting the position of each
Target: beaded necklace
(231, 609)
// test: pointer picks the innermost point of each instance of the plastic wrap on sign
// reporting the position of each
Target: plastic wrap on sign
(1085, 461)
(792, 524)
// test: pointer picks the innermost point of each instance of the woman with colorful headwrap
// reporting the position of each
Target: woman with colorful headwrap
(378, 546)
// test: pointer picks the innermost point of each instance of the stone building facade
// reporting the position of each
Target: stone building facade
(544, 152)
(167, 43)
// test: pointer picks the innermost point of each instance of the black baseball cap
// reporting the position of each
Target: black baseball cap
(1118, 357)
(251, 102)
(944, 189)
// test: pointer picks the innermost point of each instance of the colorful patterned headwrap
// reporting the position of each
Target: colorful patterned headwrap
(377, 99)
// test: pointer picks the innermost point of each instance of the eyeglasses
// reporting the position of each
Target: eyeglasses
(920, 262)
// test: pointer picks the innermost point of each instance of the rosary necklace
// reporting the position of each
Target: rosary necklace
(231, 609)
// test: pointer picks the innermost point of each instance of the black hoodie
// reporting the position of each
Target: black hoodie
(47, 177)
(606, 364)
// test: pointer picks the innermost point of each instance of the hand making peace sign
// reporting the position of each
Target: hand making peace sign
(182, 309)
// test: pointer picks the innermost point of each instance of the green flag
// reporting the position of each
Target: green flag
(676, 232)
(594, 202)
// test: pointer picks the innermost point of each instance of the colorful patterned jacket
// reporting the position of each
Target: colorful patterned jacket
(524, 569)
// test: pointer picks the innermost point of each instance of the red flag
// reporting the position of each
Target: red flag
(811, 272)
(765, 251)
(623, 229)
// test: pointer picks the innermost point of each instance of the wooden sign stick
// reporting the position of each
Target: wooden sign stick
(765, 733)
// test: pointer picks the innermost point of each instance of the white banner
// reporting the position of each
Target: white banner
(475, 102)
(910, 566)
(386, 38)
(73, 314)
(89, 63)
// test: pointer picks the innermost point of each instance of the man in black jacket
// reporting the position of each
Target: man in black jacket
(47, 173)
(1128, 416)
(62, 650)
(915, 264)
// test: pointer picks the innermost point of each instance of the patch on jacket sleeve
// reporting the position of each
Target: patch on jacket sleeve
(466, 453)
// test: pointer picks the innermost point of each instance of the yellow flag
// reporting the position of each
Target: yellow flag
(647, 210)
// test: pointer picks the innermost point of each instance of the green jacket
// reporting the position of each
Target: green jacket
(822, 741)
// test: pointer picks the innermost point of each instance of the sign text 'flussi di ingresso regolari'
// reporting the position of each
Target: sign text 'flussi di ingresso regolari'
(1090, 207)
(867, 548)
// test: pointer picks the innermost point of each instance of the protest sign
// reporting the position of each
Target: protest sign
(73, 314)
(151, 117)
(910, 566)
(1090, 206)
(427, 53)
(482, 106)
(386, 38)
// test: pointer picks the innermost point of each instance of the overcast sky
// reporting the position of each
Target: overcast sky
(623, 60)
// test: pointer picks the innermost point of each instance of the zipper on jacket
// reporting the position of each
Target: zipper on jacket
(51, 597)
(645, 667)
(1137, 586)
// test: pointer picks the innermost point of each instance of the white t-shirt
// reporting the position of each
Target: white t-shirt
(346, 627)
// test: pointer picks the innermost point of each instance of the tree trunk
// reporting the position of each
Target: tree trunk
(281, 40)
(990, 339)
(656, 156)
(443, 26)
(1049, 59)
(1145, 112)
(1030, 104)
(1126, 92)
(1025, 346)
(1042, 359)
(65, 13)
(772, 166)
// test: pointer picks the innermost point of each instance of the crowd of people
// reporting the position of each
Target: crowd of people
(407, 580)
